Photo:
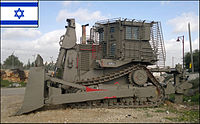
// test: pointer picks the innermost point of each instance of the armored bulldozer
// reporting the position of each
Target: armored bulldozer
(108, 69)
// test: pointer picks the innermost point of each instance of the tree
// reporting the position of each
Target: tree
(195, 60)
(12, 62)
(49, 66)
(32, 64)
(28, 64)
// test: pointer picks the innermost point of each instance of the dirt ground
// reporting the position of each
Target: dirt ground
(11, 103)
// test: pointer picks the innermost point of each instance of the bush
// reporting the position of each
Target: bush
(194, 98)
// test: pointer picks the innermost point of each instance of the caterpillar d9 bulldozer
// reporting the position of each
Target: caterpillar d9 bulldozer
(108, 69)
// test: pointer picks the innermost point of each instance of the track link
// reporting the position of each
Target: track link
(130, 102)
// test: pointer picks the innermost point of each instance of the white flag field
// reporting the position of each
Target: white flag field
(19, 14)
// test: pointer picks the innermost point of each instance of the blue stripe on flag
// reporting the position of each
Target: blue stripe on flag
(9, 22)
(18, 4)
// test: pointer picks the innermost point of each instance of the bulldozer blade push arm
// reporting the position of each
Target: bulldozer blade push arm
(67, 83)
(34, 93)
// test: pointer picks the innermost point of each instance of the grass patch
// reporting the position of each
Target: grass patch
(184, 115)
(190, 116)
(23, 84)
(189, 99)
(194, 98)
(6, 83)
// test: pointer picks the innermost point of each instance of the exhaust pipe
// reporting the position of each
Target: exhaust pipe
(84, 33)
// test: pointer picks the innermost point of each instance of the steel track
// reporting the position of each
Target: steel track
(130, 102)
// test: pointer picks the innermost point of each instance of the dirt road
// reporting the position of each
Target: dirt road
(11, 101)
(12, 91)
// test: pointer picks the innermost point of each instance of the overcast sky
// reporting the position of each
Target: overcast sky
(174, 16)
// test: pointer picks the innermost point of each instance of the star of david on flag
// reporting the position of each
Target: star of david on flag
(19, 14)
(17, 11)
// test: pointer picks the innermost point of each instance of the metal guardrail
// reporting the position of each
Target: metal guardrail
(105, 21)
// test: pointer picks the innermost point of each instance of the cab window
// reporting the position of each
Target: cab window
(101, 34)
(112, 29)
(132, 33)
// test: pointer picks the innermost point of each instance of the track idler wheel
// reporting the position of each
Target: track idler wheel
(139, 77)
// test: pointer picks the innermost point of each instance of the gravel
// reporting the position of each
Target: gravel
(11, 103)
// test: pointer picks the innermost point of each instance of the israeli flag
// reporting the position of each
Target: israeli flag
(19, 14)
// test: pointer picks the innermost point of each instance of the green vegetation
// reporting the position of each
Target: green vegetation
(59, 73)
(191, 116)
(192, 99)
(184, 115)
(12, 62)
(172, 97)
(23, 84)
(187, 60)
(50, 66)
(6, 83)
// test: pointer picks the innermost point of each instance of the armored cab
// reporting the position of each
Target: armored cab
(126, 40)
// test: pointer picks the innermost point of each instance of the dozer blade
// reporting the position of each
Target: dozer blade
(34, 93)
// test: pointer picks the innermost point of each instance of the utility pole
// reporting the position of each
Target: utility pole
(172, 61)
(191, 48)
